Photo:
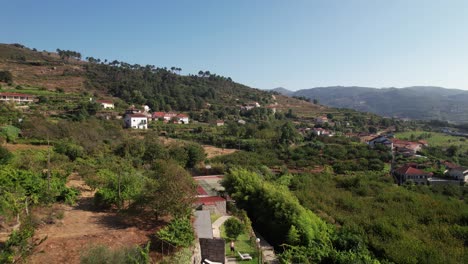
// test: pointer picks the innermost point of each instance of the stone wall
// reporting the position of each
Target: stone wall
(213, 249)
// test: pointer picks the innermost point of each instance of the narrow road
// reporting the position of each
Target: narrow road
(217, 224)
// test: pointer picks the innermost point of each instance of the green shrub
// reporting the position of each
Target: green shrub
(178, 232)
(5, 155)
(234, 228)
(11, 133)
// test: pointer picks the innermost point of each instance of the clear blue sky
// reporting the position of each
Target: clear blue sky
(265, 44)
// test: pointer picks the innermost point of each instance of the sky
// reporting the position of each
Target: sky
(296, 44)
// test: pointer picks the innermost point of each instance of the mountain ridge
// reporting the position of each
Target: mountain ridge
(414, 102)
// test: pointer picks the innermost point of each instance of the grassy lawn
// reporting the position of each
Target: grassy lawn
(437, 139)
(214, 217)
(243, 245)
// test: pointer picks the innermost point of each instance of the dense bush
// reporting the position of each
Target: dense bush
(234, 227)
(6, 76)
(178, 232)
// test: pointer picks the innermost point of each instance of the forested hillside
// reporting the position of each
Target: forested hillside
(160, 88)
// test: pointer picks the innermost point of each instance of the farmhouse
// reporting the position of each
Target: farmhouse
(106, 104)
(16, 97)
(182, 118)
(407, 172)
(136, 121)
(219, 122)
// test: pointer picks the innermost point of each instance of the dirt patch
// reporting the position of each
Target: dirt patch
(83, 226)
(20, 147)
(212, 151)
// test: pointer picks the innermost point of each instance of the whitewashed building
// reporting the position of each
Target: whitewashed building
(136, 121)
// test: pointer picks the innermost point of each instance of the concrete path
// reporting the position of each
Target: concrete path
(218, 223)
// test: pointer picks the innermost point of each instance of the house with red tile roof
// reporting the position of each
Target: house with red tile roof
(406, 148)
(158, 116)
(182, 118)
(16, 97)
(406, 173)
(168, 116)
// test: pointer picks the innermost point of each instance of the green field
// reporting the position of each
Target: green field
(32, 91)
(436, 139)
(244, 244)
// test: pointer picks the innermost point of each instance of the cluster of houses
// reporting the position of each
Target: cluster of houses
(398, 146)
(414, 172)
(453, 173)
(138, 119)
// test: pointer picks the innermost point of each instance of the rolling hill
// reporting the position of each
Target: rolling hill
(417, 102)
(160, 88)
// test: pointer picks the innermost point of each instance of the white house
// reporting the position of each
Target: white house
(322, 132)
(136, 121)
(16, 97)
(106, 104)
(183, 118)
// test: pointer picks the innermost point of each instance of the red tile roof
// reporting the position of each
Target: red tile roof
(408, 170)
(15, 94)
(210, 200)
(105, 101)
(182, 115)
(201, 191)
(158, 114)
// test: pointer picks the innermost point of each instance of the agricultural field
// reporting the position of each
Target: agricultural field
(435, 139)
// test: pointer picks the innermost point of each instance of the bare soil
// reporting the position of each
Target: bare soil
(19, 147)
(212, 151)
(82, 227)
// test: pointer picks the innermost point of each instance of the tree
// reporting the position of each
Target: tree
(289, 134)
(196, 154)
(170, 190)
(234, 227)
(178, 232)
(6, 76)
(316, 101)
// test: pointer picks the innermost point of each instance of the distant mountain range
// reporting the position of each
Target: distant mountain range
(416, 102)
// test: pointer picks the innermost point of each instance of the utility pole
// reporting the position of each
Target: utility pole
(48, 164)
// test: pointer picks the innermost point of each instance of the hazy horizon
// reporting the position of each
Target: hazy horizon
(329, 86)
(261, 43)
